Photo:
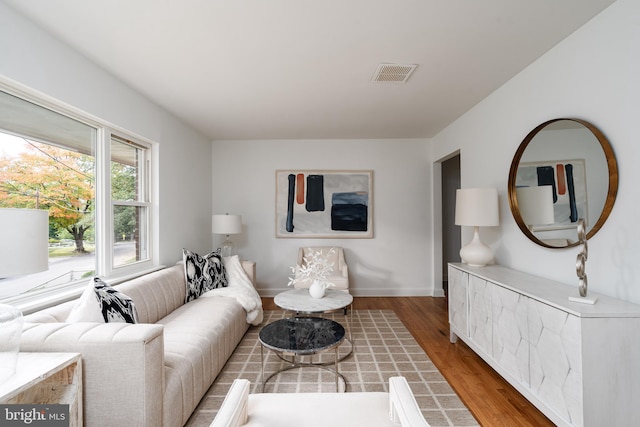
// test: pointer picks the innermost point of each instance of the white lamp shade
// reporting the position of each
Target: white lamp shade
(226, 224)
(24, 241)
(477, 207)
(535, 204)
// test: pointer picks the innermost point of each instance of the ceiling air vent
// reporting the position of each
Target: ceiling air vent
(393, 73)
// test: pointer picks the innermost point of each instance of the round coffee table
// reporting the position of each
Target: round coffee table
(299, 301)
(301, 336)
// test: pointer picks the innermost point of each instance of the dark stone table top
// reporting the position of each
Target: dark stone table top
(302, 335)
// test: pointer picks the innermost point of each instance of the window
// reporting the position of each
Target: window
(130, 201)
(93, 180)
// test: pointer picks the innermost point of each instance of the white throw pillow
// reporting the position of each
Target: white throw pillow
(103, 304)
(87, 308)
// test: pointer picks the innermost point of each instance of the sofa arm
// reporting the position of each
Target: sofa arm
(249, 267)
(122, 366)
(403, 407)
(234, 409)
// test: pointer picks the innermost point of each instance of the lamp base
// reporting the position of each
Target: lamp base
(476, 253)
(227, 248)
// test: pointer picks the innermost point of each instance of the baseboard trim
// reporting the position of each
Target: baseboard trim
(439, 293)
(405, 292)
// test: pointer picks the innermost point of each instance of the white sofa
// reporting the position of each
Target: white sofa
(155, 372)
(371, 409)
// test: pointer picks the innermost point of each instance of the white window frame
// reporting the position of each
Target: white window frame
(105, 261)
(104, 206)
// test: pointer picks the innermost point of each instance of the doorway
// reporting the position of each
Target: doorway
(451, 234)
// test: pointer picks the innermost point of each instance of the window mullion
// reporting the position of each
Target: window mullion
(104, 217)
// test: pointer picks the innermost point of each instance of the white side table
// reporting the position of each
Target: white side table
(46, 378)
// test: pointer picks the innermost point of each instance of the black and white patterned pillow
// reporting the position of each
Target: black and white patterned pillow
(203, 273)
(102, 303)
(114, 305)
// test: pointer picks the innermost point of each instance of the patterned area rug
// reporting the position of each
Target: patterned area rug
(383, 347)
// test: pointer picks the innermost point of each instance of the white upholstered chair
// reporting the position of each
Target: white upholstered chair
(340, 275)
(371, 409)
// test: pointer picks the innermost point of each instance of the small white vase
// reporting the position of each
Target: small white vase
(316, 290)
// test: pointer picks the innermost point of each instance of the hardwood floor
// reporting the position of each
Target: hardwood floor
(491, 399)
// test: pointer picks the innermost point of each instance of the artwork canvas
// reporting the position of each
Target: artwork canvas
(324, 203)
(569, 186)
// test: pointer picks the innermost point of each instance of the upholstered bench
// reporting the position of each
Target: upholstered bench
(371, 409)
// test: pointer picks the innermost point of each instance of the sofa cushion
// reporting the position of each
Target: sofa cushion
(102, 303)
(199, 337)
(322, 409)
(203, 273)
(56, 314)
(156, 294)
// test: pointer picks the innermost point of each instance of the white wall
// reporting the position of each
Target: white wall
(33, 58)
(397, 261)
(592, 75)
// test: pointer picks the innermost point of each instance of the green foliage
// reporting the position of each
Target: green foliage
(52, 178)
(123, 187)
(63, 182)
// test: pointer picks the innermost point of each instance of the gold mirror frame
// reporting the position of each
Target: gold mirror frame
(612, 166)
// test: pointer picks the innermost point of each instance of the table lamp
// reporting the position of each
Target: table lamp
(227, 225)
(476, 207)
(24, 243)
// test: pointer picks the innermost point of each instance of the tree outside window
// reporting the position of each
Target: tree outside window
(49, 161)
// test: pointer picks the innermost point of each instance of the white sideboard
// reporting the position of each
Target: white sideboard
(578, 363)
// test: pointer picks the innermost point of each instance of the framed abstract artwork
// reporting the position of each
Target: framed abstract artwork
(324, 203)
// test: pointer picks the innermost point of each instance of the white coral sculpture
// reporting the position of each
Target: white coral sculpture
(316, 266)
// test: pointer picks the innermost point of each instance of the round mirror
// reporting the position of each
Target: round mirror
(564, 170)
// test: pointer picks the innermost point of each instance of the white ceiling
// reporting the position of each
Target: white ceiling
(294, 69)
